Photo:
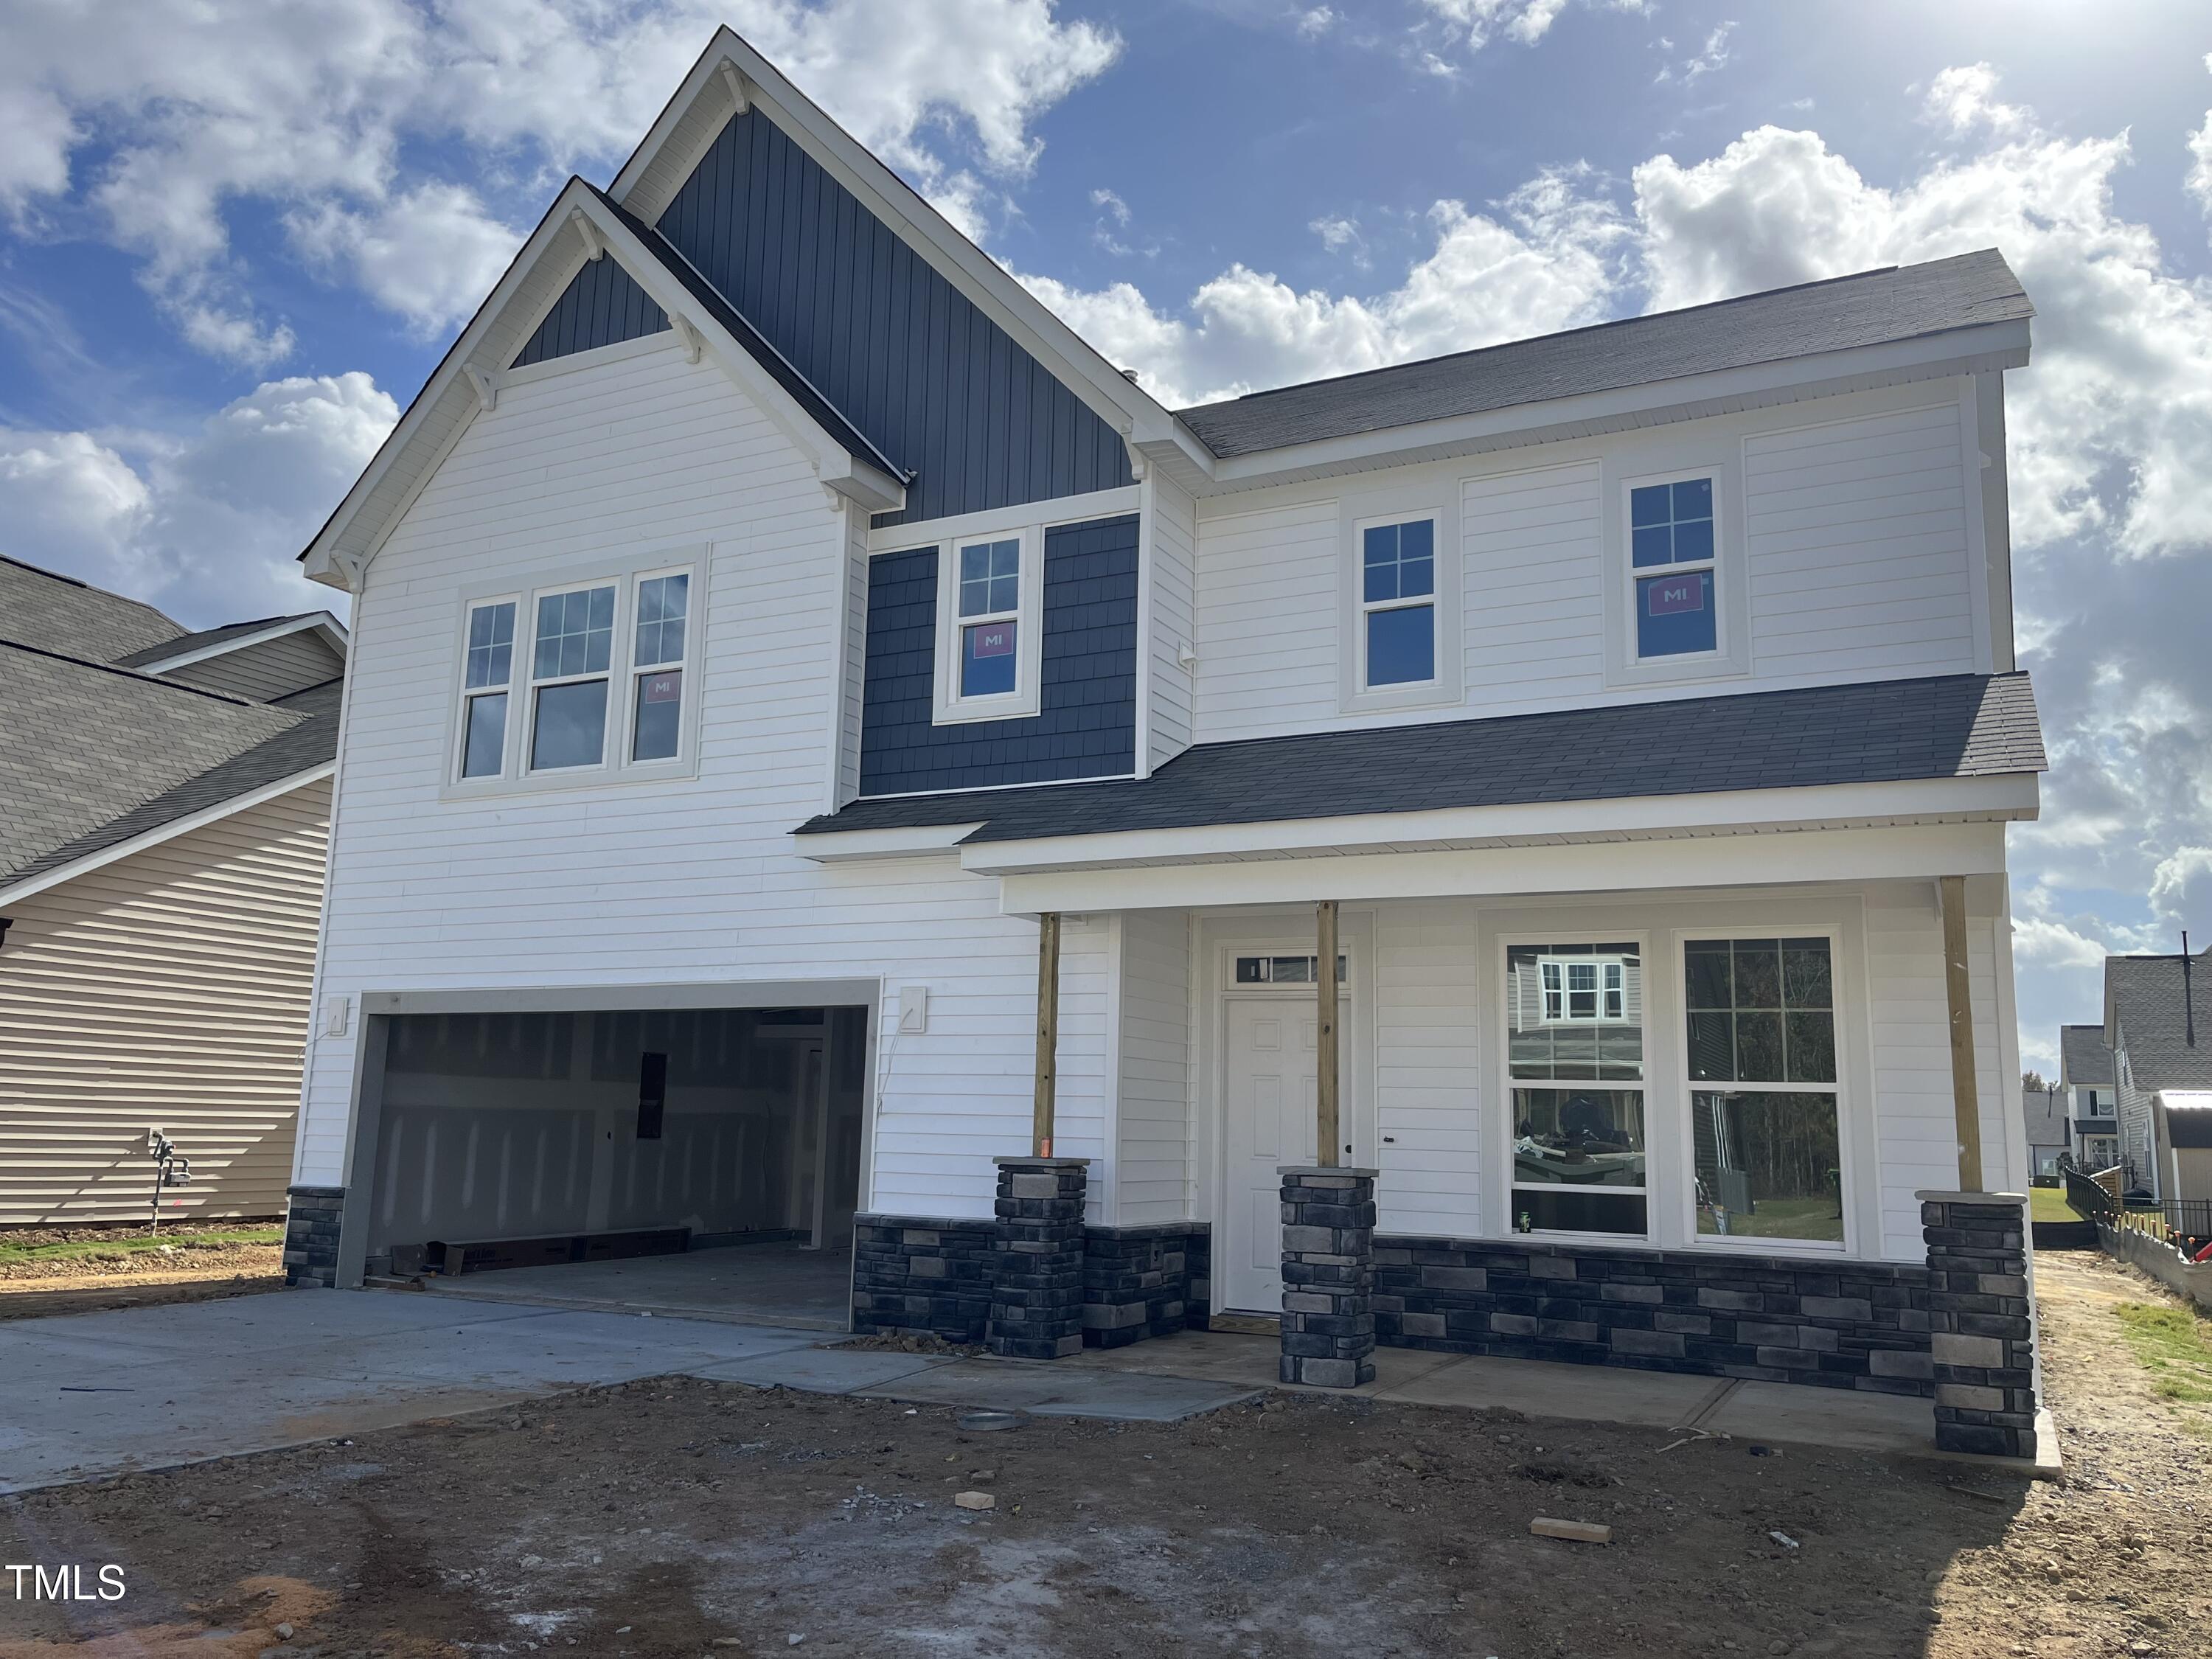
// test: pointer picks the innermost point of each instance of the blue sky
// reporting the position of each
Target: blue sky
(233, 241)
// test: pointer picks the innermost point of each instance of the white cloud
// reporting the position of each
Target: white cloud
(1964, 99)
(1545, 264)
(1339, 234)
(2198, 182)
(1522, 22)
(1317, 22)
(1713, 56)
(375, 127)
(205, 523)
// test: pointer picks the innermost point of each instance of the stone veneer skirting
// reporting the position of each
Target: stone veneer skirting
(936, 1274)
(1839, 1324)
(311, 1235)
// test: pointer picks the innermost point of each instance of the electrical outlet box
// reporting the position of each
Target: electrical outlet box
(913, 1010)
(337, 1011)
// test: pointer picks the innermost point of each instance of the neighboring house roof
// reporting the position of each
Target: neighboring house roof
(2144, 999)
(1881, 730)
(208, 636)
(2083, 1058)
(1874, 308)
(825, 414)
(61, 613)
(309, 741)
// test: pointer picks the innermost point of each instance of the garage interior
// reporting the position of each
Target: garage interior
(696, 1161)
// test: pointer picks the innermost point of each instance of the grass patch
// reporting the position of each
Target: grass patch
(110, 1249)
(2048, 1203)
(2174, 1345)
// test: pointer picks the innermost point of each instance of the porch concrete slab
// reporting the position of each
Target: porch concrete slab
(1825, 1417)
(780, 1284)
(1056, 1388)
(89, 1395)
(1538, 1388)
(824, 1371)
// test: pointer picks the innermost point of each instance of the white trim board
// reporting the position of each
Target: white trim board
(321, 622)
(169, 831)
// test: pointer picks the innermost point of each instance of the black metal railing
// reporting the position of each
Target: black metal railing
(2185, 1223)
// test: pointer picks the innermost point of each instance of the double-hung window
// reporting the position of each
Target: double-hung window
(584, 680)
(572, 654)
(663, 604)
(990, 617)
(1398, 603)
(1673, 555)
(488, 665)
(1761, 1047)
(1575, 1063)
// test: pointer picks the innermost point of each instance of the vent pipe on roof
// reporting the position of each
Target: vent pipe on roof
(2188, 998)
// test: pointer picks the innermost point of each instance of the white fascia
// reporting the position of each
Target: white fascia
(2002, 799)
(1988, 348)
(1818, 858)
(696, 115)
(332, 630)
(577, 223)
(160, 832)
(850, 846)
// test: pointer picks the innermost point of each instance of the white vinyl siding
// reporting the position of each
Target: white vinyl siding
(1153, 1155)
(1428, 1071)
(1173, 620)
(1858, 536)
(1854, 553)
(693, 880)
(166, 990)
(275, 668)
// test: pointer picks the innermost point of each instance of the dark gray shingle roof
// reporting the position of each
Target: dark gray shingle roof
(1880, 730)
(60, 613)
(2083, 1057)
(83, 743)
(2145, 993)
(310, 740)
(1900, 302)
(185, 642)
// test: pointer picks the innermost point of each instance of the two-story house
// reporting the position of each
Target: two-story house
(2089, 1101)
(817, 728)
(2161, 1060)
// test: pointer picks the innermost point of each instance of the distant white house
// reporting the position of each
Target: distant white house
(2089, 1099)
(794, 670)
(2161, 1051)
(164, 816)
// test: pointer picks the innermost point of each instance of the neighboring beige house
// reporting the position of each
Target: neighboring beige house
(164, 819)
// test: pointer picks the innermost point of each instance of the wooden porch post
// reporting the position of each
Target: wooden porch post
(1326, 1069)
(1965, 1104)
(1048, 1032)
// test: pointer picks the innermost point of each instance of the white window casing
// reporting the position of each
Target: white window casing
(951, 704)
(566, 641)
(1728, 594)
(1433, 501)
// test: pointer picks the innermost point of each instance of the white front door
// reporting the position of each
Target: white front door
(1269, 1094)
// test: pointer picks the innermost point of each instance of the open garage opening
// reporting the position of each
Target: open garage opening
(692, 1161)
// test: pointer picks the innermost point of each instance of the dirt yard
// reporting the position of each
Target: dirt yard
(692, 1519)
(54, 1270)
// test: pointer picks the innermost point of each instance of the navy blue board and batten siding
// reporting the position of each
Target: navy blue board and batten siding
(601, 306)
(1086, 722)
(935, 385)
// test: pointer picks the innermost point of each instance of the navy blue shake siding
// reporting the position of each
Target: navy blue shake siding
(939, 388)
(1086, 723)
(601, 306)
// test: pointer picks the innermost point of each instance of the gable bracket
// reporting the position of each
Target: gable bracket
(487, 385)
(595, 245)
(734, 79)
(693, 341)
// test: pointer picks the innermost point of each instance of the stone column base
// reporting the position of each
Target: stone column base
(1328, 1276)
(311, 1235)
(1981, 1329)
(1036, 1290)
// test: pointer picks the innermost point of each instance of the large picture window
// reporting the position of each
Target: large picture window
(1760, 1040)
(1575, 1056)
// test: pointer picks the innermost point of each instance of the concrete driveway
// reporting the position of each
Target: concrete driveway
(149, 1387)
